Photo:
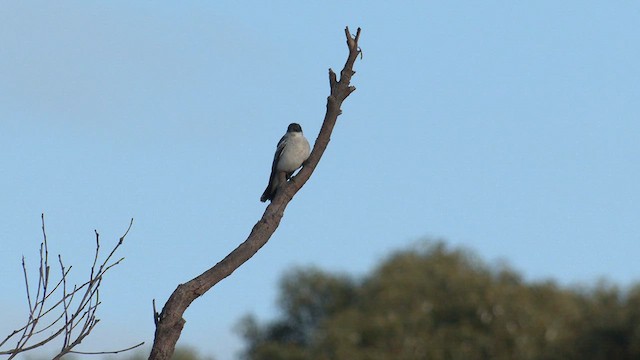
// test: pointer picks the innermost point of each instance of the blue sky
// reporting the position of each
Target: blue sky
(510, 128)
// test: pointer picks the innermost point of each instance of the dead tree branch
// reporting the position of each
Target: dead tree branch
(75, 319)
(169, 323)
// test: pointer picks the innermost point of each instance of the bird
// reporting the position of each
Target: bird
(292, 151)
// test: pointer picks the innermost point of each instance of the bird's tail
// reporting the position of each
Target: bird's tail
(267, 194)
(270, 191)
(275, 181)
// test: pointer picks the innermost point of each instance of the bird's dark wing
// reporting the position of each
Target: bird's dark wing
(270, 190)
(281, 145)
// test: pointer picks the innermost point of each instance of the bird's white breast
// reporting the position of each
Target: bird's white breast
(294, 154)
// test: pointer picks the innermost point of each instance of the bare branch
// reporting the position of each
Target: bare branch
(79, 315)
(169, 323)
(107, 352)
(26, 283)
(65, 306)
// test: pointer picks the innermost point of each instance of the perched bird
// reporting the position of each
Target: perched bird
(293, 149)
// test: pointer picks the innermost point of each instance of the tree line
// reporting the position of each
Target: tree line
(433, 302)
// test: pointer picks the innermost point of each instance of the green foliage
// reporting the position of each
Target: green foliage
(436, 303)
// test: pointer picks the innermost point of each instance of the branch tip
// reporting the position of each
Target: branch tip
(126, 232)
(352, 40)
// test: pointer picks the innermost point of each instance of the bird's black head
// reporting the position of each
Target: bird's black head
(293, 127)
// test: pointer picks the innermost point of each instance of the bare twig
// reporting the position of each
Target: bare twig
(107, 352)
(65, 306)
(79, 315)
(169, 323)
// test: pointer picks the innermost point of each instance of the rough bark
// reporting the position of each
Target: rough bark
(169, 322)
